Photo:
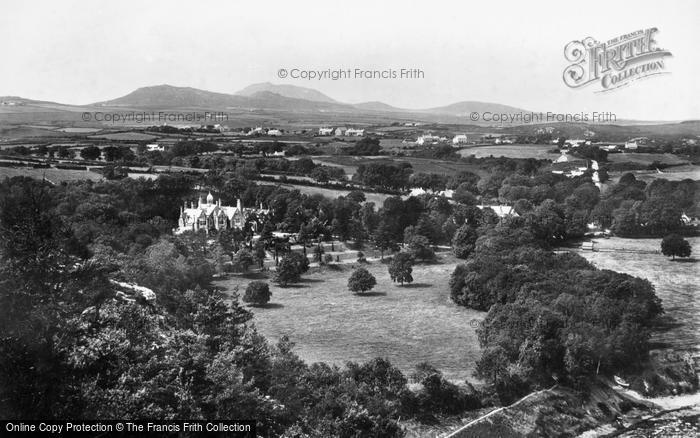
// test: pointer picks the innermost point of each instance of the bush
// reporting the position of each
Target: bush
(674, 245)
(361, 281)
(401, 267)
(257, 293)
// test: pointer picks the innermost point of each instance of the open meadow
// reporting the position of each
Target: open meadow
(377, 198)
(53, 175)
(677, 283)
(539, 151)
(408, 325)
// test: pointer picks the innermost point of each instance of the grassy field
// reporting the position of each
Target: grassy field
(676, 284)
(643, 158)
(133, 136)
(427, 165)
(53, 175)
(377, 198)
(539, 151)
(407, 325)
(675, 173)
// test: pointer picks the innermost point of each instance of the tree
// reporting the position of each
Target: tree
(242, 260)
(674, 245)
(361, 281)
(290, 268)
(257, 293)
(384, 238)
(259, 252)
(463, 241)
(419, 247)
(90, 153)
(401, 267)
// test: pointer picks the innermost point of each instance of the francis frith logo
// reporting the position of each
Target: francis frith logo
(616, 62)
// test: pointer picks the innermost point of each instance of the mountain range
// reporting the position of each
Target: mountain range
(277, 97)
(273, 101)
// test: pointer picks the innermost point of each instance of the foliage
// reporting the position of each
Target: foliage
(401, 267)
(361, 281)
(257, 292)
(674, 245)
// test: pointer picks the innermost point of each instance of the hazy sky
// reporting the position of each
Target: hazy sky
(494, 51)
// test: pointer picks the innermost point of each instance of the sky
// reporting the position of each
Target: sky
(508, 52)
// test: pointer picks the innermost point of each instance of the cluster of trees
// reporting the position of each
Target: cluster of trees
(365, 146)
(552, 317)
(387, 176)
(635, 208)
(72, 346)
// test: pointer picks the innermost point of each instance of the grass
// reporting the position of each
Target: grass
(675, 173)
(407, 325)
(377, 198)
(644, 158)
(676, 284)
(427, 165)
(54, 175)
(539, 151)
(134, 136)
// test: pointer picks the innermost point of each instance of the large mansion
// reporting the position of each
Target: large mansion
(212, 215)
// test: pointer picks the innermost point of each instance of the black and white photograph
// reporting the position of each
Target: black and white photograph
(382, 219)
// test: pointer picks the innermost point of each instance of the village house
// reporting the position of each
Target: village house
(212, 215)
(428, 139)
(274, 132)
(355, 132)
(460, 139)
(340, 131)
(325, 131)
(155, 147)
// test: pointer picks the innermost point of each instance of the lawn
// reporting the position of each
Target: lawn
(132, 136)
(644, 158)
(377, 198)
(53, 175)
(427, 165)
(676, 283)
(675, 173)
(539, 151)
(407, 325)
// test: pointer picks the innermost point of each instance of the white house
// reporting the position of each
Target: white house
(155, 147)
(274, 132)
(325, 131)
(574, 143)
(460, 139)
(340, 131)
(631, 145)
(563, 158)
(427, 139)
(355, 132)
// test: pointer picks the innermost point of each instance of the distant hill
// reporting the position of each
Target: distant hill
(464, 108)
(286, 90)
(168, 96)
(278, 101)
(377, 106)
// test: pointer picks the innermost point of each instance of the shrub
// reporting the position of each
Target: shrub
(257, 293)
(361, 281)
